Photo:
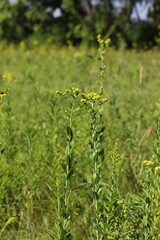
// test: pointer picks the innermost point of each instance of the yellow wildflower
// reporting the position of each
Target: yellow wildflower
(104, 100)
(83, 100)
(107, 42)
(2, 94)
(148, 162)
(76, 90)
(99, 36)
(99, 39)
(157, 168)
(93, 96)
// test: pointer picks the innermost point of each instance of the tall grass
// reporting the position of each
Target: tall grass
(74, 165)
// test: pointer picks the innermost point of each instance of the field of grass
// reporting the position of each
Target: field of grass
(73, 166)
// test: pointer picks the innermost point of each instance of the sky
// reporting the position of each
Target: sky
(143, 9)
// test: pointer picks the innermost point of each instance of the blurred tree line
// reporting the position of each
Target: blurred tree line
(79, 21)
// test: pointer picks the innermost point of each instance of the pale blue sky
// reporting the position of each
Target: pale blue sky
(143, 9)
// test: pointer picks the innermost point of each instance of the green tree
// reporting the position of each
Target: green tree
(80, 20)
(155, 13)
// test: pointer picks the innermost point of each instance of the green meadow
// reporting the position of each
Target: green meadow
(79, 143)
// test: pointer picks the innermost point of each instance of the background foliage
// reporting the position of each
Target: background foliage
(78, 21)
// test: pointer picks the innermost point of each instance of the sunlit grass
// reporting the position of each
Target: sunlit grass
(38, 151)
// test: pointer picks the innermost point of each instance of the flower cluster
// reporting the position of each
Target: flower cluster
(87, 99)
(151, 163)
(101, 41)
(76, 90)
(91, 98)
(72, 90)
(148, 163)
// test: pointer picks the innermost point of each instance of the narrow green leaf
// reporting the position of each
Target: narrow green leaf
(10, 220)
(69, 133)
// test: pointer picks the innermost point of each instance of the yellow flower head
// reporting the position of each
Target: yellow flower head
(104, 100)
(93, 96)
(157, 168)
(76, 90)
(107, 42)
(67, 91)
(148, 163)
(99, 36)
(83, 100)
(99, 39)
(2, 94)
